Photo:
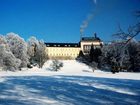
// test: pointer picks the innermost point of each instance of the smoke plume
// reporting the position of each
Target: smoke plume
(95, 1)
(87, 20)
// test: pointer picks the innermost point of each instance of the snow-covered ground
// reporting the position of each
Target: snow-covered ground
(74, 84)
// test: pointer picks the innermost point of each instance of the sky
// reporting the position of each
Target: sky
(60, 20)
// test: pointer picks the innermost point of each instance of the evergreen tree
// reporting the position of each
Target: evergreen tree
(97, 53)
(81, 57)
(81, 54)
(91, 53)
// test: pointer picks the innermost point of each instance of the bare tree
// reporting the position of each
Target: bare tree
(126, 39)
(132, 31)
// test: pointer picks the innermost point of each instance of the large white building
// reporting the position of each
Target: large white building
(71, 50)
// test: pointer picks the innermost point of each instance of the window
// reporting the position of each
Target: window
(87, 48)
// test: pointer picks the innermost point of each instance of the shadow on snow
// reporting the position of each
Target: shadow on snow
(68, 90)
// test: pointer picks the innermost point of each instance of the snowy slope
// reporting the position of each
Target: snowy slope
(74, 84)
(71, 67)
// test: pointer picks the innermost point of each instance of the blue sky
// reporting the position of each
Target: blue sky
(60, 20)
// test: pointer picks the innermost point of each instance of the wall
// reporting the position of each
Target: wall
(62, 52)
(87, 43)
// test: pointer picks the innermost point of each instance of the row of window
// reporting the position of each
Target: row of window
(54, 54)
(64, 49)
(64, 45)
(88, 47)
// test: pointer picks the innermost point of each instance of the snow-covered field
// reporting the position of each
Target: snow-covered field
(74, 84)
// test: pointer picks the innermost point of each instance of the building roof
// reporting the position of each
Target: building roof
(62, 44)
(90, 39)
(94, 38)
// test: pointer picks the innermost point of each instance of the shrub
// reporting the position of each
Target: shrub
(56, 65)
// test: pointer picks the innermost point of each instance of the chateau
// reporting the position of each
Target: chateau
(71, 50)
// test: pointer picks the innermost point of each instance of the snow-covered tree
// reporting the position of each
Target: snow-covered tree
(120, 56)
(134, 56)
(18, 47)
(130, 46)
(41, 55)
(37, 51)
(56, 65)
(7, 60)
(32, 46)
(11, 62)
(3, 45)
(93, 65)
(15, 52)
(110, 56)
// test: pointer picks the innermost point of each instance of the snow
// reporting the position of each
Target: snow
(71, 68)
(74, 84)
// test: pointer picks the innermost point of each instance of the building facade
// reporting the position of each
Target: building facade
(62, 50)
(71, 50)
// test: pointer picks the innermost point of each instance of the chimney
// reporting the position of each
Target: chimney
(95, 35)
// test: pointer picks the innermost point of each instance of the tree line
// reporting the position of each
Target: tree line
(16, 53)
